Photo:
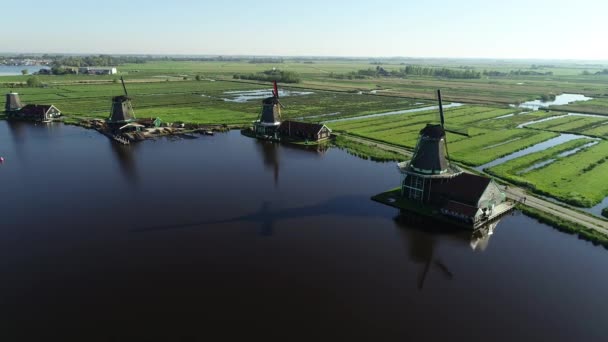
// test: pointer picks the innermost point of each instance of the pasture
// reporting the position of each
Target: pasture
(168, 89)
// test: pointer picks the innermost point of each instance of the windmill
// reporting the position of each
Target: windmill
(270, 118)
(430, 162)
(122, 110)
(13, 103)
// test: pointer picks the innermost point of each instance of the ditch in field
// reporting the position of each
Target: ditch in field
(560, 155)
(241, 96)
(404, 111)
(536, 148)
(559, 117)
(559, 100)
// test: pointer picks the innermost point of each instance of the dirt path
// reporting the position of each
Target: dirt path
(590, 222)
(513, 192)
(383, 146)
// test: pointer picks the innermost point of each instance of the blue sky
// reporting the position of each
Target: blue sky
(488, 29)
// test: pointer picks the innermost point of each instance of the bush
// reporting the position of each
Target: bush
(34, 82)
(605, 212)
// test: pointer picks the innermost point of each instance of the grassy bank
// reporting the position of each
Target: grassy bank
(562, 225)
(366, 151)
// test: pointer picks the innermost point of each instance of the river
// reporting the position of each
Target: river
(12, 70)
(225, 234)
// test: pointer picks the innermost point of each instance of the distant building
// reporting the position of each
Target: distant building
(303, 131)
(98, 70)
(36, 112)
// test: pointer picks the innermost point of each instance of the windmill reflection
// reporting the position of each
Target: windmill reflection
(270, 152)
(126, 160)
(270, 157)
(265, 217)
(422, 237)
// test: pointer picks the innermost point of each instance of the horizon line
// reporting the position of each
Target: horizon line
(54, 54)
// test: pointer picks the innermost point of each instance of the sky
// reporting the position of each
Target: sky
(530, 29)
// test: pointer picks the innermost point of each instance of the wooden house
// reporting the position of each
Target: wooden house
(37, 112)
(303, 131)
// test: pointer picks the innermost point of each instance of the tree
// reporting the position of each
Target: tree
(197, 77)
(25, 72)
(33, 82)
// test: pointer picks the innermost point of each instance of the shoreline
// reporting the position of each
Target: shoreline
(561, 223)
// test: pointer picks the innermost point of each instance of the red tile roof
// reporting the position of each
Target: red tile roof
(464, 188)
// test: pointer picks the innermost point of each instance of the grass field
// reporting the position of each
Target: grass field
(203, 101)
(595, 106)
(483, 145)
(366, 151)
(592, 126)
(168, 89)
(578, 179)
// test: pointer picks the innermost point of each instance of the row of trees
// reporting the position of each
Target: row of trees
(530, 73)
(268, 60)
(410, 70)
(101, 60)
(601, 72)
(271, 75)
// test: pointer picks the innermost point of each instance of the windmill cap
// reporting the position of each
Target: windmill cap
(433, 131)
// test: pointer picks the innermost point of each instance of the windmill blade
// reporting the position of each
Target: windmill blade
(422, 276)
(441, 118)
(275, 90)
(123, 85)
(444, 269)
(280, 104)
(456, 132)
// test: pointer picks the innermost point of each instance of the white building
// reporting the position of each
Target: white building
(98, 70)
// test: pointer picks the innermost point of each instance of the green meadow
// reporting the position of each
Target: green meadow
(203, 92)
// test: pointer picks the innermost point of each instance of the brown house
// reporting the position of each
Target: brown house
(304, 130)
(38, 112)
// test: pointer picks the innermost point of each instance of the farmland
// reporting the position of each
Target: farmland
(562, 178)
(202, 101)
(595, 106)
(403, 130)
(206, 93)
(586, 125)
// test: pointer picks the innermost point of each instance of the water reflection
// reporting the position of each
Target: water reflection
(270, 153)
(265, 218)
(422, 238)
(270, 157)
(125, 157)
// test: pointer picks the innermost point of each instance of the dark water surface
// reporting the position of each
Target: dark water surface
(228, 235)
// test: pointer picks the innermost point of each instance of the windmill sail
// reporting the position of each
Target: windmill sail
(440, 108)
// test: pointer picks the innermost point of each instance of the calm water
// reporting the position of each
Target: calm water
(188, 238)
(10, 70)
(562, 99)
